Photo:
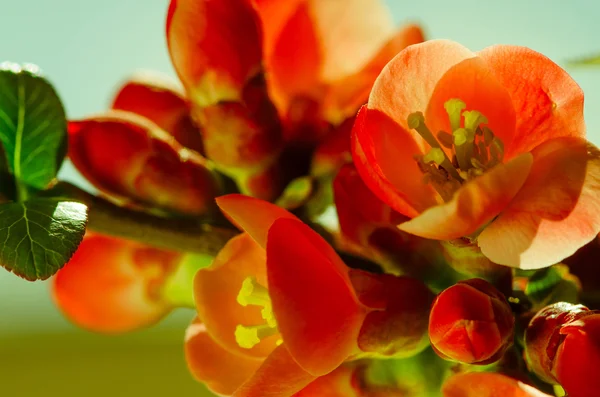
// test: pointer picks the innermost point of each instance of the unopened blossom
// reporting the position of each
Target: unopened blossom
(562, 346)
(489, 146)
(112, 285)
(471, 322)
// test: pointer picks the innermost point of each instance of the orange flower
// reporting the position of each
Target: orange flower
(487, 384)
(112, 285)
(471, 322)
(262, 74)
(513, 173)
(132, 160)
(299, 311)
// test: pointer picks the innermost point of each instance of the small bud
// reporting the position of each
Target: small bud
(562, 346)
(471, 322)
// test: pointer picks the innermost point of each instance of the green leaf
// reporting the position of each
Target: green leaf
(553, 284)
(33, 127)
(40, 235)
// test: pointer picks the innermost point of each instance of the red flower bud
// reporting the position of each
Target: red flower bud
(562, 345)
(131, 159)
(471, 322)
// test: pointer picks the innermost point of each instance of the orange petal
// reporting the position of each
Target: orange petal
(555, 213)
(471, 81)
(324, 42)
(294, 62)
(384, 156)
(274, 14)
(278, 376)
(474, 204)
(112, 285)
(220, 370)
(406, 84)
(215, 46)
(160, 100)
(487, 384)
(346, 95)
(339, 383)
(216, 289)
(129, 157)
(316, 309)
(252, 215)
(548, 101)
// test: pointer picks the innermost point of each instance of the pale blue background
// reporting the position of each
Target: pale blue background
(87, 47)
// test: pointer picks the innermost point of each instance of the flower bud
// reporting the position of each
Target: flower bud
(112, 285)
(562, 346)
(471, 322)
(131, 159)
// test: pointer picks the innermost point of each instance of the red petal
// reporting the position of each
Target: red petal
(578, 357)
(548, 101)
(216, 289)
(406, 84)
(316, 309)
(215, 47)
(487, 384)
(384, 155)
(252, 215)
(339, 383)
(555, 213)
(129, 157)
(474, 204)
(112, 285)
(278, 376)
(159, 100)
(220, 370)
(472, 82)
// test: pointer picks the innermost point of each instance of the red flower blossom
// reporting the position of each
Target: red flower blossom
(513, 173)
(302, 311)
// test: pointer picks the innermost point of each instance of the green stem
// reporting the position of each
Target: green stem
(178, 234)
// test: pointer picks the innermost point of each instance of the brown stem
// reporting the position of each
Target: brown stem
(186, 235)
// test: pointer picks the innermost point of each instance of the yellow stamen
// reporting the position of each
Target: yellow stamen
(454, 108)
(248, 337)
(254, 294)
(472, 146)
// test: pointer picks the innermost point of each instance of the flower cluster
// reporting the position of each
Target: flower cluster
(460, 184)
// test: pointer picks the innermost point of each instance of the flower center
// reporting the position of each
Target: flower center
(471, 149)
(254, 294)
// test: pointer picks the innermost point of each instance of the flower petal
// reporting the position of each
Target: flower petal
(339, 383)
(158, 99)
(474, 204)
(472, 82)
(112, 285)
(215, 46)
(128, 157)
(549, 102)
(252, 215)
(384, 156)
(278, 376)
(406, 84)
(216, 289)
(316, 309)
(347, 94)
(555, 213)
(487, 384)
(220, 370)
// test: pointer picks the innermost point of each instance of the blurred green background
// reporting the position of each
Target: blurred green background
(87, 48)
